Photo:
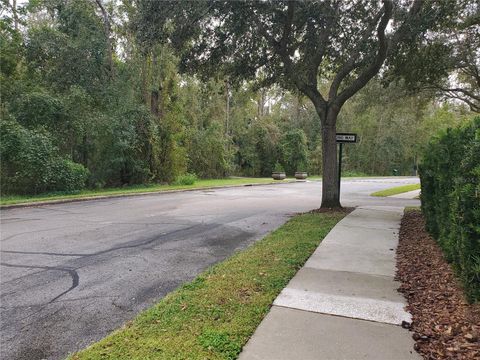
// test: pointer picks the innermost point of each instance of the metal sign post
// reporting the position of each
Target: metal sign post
(343, 138)
(339, 166)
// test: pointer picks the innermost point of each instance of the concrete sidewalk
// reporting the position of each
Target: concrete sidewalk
(343, 303)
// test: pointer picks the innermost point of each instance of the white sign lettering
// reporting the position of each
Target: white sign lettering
(346, 138)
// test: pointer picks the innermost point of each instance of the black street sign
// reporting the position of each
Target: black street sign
(346, 138)
(343, 138)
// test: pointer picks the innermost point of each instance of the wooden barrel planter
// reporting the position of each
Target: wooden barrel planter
(277, 175)
(301, 175)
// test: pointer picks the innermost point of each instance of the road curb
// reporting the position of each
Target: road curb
(103, 197)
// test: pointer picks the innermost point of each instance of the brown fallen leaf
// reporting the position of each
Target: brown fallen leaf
(445, 326)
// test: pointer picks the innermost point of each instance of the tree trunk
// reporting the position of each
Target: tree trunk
(154, 103)
(261, 103)
(145, 70)
(328, 112)
(227, 107)
(157, 95)
(298, 107)
(84, 150)
(108, 30)
(330, 193)
(15, 15)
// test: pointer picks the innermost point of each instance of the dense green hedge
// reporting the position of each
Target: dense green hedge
(450, 178)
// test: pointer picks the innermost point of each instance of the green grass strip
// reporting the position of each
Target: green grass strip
(396, 190)
(199, 184)
(213, 316)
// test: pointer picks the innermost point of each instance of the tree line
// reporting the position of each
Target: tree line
(93, 95)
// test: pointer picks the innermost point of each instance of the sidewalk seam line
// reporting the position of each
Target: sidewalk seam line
(335, 315)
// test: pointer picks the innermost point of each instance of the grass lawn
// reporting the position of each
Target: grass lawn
(213, 316)
(396, 190)
(199, 184)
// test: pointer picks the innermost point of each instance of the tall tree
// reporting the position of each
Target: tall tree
(297, 44)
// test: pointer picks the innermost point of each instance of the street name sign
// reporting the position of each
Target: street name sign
(343, 138)
(346, 138)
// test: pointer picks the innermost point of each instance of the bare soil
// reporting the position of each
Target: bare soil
(445, 325)
(346, 210)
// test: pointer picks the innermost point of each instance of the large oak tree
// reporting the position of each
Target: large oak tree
(300, 45)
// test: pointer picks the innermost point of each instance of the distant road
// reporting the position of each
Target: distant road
(71, 273)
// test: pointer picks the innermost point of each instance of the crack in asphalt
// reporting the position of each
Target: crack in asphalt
(41, 253)
(17, 220)
(136, 244)
(34, 319)
(31, 232)
(101, 222)
(60, 301)
(169, 242)
(20, 320)
(129, 246)
(49, 208)
(73, 273)
(19, 278)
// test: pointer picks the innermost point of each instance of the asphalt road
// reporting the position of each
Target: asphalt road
(72, 273)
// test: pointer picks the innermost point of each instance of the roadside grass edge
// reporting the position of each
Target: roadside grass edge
(213, 316)
(10, 201)
(396, 190)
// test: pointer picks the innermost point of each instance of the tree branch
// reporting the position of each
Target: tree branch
(318, 57)
(287, 29)
(375, 66)
(472, 70)
(459, 90)
(281, 49)
(474, 107)
(351, 64)
(405, 29)
(315, 97)
(309, 90)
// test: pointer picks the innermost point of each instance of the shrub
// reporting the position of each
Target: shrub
(39, 109)
(30, 163)
(450, 181)
(278, 168)
(294, 150)
(353, 173)
(67, 175)
(207, 153)
(302, 166)
(257, 149)
(187, 179)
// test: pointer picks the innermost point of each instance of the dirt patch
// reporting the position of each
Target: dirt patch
(346, 210)
(444, 325)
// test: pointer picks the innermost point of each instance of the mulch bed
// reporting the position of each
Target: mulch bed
(444, 325)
